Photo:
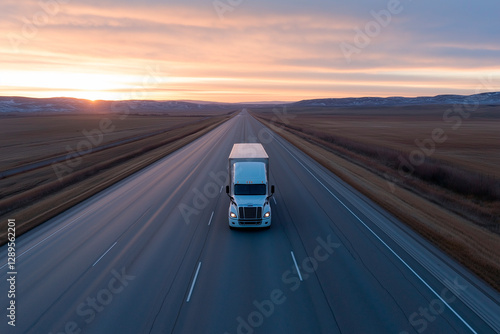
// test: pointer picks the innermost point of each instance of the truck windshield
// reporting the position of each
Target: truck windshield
(249, 189)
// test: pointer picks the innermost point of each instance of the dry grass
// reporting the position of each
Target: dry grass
(473, 146)
(465, 226)
(35, 196)
(27, 139)
(459, 172)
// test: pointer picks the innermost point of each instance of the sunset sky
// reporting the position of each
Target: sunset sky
(248, 50)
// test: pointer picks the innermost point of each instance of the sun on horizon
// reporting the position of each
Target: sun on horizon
(252, 53)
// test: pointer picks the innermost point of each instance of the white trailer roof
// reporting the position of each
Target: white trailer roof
(249, 172)
(241, 151)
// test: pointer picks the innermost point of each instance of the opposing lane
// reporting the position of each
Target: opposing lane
(125, 260)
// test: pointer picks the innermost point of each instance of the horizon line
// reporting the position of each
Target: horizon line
(247, 102)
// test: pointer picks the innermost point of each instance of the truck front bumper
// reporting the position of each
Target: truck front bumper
(254, 223)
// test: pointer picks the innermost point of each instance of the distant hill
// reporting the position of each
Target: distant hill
(14, 104)
(72, 105)
(484, 99)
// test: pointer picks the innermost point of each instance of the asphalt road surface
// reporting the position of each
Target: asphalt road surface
(154, 254)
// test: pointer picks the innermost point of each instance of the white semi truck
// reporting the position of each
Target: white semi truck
(249, 190)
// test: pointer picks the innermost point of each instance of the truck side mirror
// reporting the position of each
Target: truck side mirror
(272, 189)
(227, 190)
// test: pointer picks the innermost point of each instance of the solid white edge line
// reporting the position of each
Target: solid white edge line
(382, 241)
(211, 218)
(106, 252)
(192, 284)
(53, 233)
(62, 228)
(296, 266)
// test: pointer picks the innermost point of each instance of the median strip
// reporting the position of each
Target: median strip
(34, 205)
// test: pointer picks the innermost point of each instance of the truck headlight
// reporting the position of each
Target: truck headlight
(267, 214)
(233, 215)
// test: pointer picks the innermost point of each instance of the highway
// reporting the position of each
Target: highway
(154, 254)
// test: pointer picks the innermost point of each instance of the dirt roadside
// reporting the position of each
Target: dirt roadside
(48, 200)
(475, 247)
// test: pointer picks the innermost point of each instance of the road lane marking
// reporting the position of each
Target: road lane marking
(383, 242)
(87, 211)
(274, 199)
(211, 218)
(296, 266)
(194, 282)
(220, 191)
(106, 252)
(54, 233)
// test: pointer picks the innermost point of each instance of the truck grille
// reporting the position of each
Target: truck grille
(250, 212)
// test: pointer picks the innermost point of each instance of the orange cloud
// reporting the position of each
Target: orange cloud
(270, 56)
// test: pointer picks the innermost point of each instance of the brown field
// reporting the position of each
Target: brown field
(452, 197)
(34, 196)
(27, 139)
(475, 145)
